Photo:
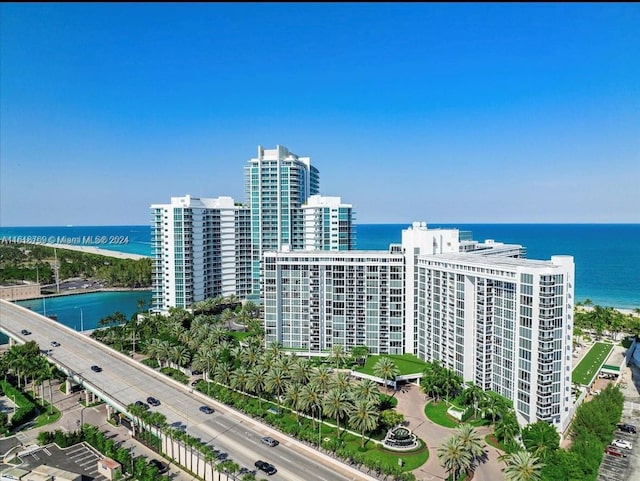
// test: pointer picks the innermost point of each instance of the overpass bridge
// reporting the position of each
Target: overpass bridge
(124, 381)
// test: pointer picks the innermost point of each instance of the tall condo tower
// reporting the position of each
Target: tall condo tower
(328, 224)
(201, 249)
(278, 183)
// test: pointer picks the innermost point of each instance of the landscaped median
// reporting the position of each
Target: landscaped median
(586, 371)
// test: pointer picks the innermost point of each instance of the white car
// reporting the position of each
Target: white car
(621, 443)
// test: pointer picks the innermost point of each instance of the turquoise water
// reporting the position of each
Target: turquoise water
(84, 311)
(607, 256)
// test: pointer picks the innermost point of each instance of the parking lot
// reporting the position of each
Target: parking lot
(614, 468)
(628, 468)
(80, 458)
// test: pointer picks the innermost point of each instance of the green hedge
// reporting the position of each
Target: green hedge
(26, 408)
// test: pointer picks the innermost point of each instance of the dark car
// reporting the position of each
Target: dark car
(141, 404)
(627, 428)
(162, 468)
(95, 368)
(206, 409)
(266, 467)
(24, 332)
(153, 401)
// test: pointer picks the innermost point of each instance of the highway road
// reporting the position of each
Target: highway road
(125, 381)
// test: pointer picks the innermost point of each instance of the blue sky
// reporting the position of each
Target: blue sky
(462, 113)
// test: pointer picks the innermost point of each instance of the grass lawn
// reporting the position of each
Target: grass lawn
(46, 418)
(406, 363)
(591, 362)
(411, 460)
(438, 414)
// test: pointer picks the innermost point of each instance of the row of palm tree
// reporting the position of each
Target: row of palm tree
(596, 320)
(29, 366)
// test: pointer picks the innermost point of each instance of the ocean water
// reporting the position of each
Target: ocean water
(607, 256)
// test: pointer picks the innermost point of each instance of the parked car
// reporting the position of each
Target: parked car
(206, 409)
(627, 428)
(55, 343)
(614, 452)
(269, 441)
(142, 404)
(95, 368)
(162, 468)
(622, 443)
(266, 467)
(153, 401)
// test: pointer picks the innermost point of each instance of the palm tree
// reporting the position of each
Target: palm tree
(322, 377)
(164, 352)
(275, 382)
(239, 379)
(311, 399)
(302, 371)
(470, 440)
(507, 427)
(255, 382)
(363, 417)
(386, 369)
(336, 405)
(522, 466)
(223, 374)
(473, 395)
(293, 396)
(181, 356)
(454, 457)
(341, 382)
(366, 390)
(540, 438)
(337, 355)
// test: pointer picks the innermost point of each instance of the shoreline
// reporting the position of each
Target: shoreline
(98, 251)
(621, 310)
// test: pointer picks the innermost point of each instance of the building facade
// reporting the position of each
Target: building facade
(314, 300)
(504, 323)
(495, 318)
(328, 224)
(201, 248)
(278, 183)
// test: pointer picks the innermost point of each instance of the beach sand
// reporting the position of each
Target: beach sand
(621, 310)
(98, 251)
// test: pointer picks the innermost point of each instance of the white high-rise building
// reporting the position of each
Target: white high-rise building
(201, 249)
(328, 224)
(314, 300)
(496, 319)
(504, 323)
